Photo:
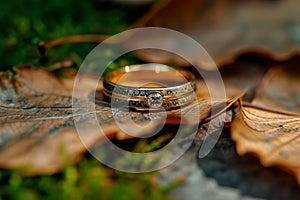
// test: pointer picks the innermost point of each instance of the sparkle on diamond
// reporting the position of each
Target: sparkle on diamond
(154, 100)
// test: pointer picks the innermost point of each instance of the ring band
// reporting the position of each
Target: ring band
(162, 87)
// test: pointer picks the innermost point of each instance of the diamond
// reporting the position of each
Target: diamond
(143, 92)
(164, 92)
(154, 100)
(130, 92)
(124, 92)
(175, 103)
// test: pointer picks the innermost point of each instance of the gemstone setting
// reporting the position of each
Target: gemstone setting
(154, 100)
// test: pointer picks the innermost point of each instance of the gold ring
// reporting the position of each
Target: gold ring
(154, 86)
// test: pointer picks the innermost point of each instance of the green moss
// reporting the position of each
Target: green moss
(87, 180)
(25, 23)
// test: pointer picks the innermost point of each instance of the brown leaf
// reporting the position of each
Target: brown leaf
(37, 130)
(270, 127)
(280, 88)
(226, 28)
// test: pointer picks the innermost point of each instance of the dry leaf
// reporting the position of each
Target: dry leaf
(226, 28)
(280, 88)
(270, 127)
(38, 134)
(37, 130)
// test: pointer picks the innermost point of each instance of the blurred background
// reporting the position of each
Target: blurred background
(25, 23)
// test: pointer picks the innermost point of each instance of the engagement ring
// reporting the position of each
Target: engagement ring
(149, 86)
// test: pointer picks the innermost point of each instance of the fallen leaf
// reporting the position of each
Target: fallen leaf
(280, 88)
(270, 126)
(38, 134)
(225, 28)
(37, 130)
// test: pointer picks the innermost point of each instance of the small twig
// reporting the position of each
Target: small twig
(42, 45)
(229, 104)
